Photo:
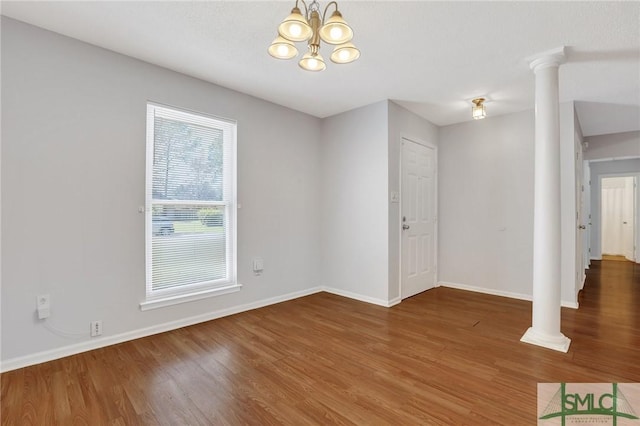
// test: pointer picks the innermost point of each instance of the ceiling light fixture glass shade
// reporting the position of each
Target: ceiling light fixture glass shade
(478, 111)
(345, 53)
(335, 30)
(295, 27)
(311, 62)
(281, 48)
(315, 28)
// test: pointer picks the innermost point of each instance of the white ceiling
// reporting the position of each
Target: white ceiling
(430, 57)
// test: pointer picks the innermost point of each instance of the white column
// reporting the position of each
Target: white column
(545, 328)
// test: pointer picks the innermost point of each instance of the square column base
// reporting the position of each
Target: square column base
(558, 343)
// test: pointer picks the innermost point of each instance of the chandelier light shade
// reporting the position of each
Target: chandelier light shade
(295, 27)
(311, 62)
(335, 30)
(310, 26)
(478, 111)
(281, 48)
(345, 53)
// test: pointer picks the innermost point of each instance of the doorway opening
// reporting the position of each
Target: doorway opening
(618, 217)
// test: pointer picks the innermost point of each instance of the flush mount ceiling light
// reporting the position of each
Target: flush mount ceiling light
(308, 26)
(478, 111)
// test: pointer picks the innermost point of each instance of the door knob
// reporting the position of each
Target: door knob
(582, 227)
(405, 227)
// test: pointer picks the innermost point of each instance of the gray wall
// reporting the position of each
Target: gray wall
(354, 225)
(616, 145)
(314, 195)
(485, 189)
(360, 225)
(571, 138)
(73, 176)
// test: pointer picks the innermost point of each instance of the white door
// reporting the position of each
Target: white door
(617, 211)
(628, 218)
(418, 218)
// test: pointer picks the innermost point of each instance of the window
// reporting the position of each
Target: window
(190, 222)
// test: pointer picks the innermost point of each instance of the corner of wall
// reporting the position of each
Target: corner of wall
(354, 183)
(401, 123)
(568, 200)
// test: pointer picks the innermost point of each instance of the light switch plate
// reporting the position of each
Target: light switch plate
(258, 264)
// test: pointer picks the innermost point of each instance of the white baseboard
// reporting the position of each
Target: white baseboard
(490, 291)
(494, 292)
(360, 297)
(95, 343)
(394, 301)
(558, 343)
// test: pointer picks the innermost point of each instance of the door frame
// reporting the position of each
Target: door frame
(586, 214)
(433, 146)
(636, 212)
(580, 233)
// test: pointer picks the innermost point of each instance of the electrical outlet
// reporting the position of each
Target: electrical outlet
(258, 265)
(96, 328)
(43, 305)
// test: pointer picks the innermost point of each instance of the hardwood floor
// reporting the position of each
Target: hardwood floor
(614, 257)
(444, 357)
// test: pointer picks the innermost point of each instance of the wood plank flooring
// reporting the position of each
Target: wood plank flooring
(617, 257)
(444, 357)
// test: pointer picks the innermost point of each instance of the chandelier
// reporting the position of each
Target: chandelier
(298, 27)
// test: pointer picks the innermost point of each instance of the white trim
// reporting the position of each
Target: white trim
(176, 294)
(628, 157)
(484, 290)
(558, 343)
(636, 211)
(501, 293)
(572, 305)
(40, 357)
(175, 299)
(548, 58)
(361, 297)
(395, 301)
(37, 358)
(189, 113)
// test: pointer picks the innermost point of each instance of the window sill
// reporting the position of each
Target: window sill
(189, 297)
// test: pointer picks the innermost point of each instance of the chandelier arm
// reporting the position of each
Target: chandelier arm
(306, 8)
(324, 14)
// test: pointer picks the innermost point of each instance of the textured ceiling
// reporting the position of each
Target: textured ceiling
(431, 57)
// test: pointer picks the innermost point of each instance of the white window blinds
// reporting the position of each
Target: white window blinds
(190, 202)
